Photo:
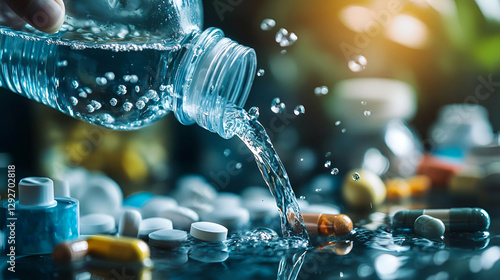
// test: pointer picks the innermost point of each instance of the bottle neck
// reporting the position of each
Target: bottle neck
(215, 73)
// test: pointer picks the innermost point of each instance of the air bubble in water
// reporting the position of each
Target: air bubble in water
(101, 81)
(328, 164)
(87, 90)
(343, 130)
(363, 102)
(134, 79)
(357, 63)
(254, 112)
(267, 24)
(113, 102)
(300, 109)
(276, 105)
(74, 84)
(283, 51)
(334, 171)
(137, 89)
(355, 176)
(127, 106)
(302, 197)
(227, 152)
(261, 72)
(74, 101)
(322, 90)
(327, 154)
(153, 95)
(82, 93)
(238, 165)
(337, 123)
(126, 78)
(367, 113)
(90, 108)
(318, 190)
(140, 104)
(285, 38)
(62, 63)
(107, 118)
(96, 104)
(121, 90)
(109, 75)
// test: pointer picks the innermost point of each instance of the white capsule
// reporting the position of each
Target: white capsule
(129, 224)
(429, 227)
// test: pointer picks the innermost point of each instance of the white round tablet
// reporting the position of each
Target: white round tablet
(181, 217)
(153, 224)
(129, 224)
(231, 218)
(97, 223)
(154, 206)
(207, 231)
(167, 238)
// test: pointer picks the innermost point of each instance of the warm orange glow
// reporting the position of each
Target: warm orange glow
(408, 31)
(356, 18)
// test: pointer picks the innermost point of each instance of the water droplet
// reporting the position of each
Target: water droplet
(367, 113)
(153, 95)
(327, 154)
(267, 24)
(343, 130)
(127, 106)
(134, 79)
(121, 90)
(355, 176)
(328, 164)
(126, 78)
(74, 101)
(163, 87)
(301, 159)
(137, 89)
(101, 81)
(299, 110)
(74, 84)
(337, 123)
(107, 118)
(90, 108)
(357, 63)
(261, 72)
(254, 113)
(275, 105)
(113, 102)
(238, 165)
(140, 104)
(283, 51)
(318, 190)
(110, 76)
(334, 171)
(96, 104)
(82, 93)
(302, 197)
(285, 38)
(87, 90)
(170, 89)
(62, 63)
(363, 102)
(227, 152)
(322, 90)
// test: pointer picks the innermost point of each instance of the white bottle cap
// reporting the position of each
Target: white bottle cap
(97, 223)
(207, 231)
(36, 191)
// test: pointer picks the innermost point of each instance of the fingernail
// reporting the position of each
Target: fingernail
(45, 15)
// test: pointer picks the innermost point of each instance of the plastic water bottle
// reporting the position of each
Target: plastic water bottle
(126, 64)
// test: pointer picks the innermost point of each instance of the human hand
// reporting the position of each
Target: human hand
(44, 15)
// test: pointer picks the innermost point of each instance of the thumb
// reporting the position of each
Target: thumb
(44, 15)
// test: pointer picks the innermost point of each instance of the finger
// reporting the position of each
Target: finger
(44, 15)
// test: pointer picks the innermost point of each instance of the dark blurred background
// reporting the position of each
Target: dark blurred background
(443, 49)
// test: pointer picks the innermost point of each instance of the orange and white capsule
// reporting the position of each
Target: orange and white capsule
(327, 224)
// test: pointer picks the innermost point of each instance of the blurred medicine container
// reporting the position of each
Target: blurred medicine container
(374, 133)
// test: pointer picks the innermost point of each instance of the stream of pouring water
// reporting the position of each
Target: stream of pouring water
(251, 132)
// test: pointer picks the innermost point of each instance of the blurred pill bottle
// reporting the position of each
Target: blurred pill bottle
(136, 160)
(371, 131)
